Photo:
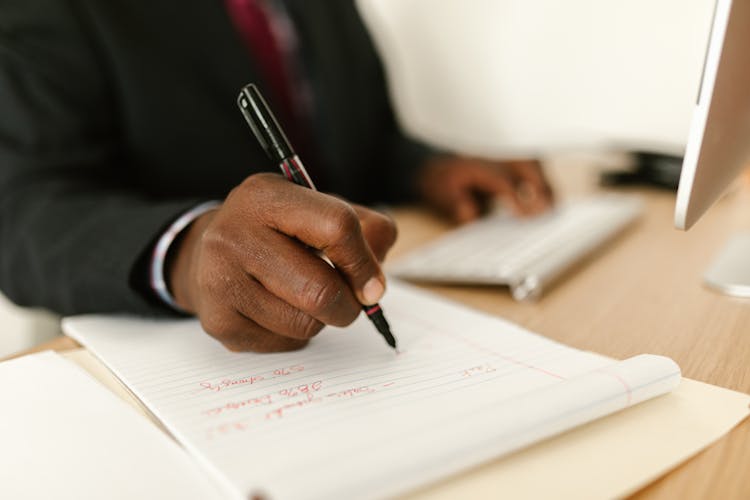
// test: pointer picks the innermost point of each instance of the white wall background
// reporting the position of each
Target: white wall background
(505, 77)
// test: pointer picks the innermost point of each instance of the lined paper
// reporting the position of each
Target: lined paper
(348, 417)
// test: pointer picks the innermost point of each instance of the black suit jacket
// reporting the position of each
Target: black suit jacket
(116, 116)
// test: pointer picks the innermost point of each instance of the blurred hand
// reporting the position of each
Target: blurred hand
(464, 188)
(248, 272)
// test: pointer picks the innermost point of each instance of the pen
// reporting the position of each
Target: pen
(267, 130)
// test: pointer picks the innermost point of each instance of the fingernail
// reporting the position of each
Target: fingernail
(372, 291)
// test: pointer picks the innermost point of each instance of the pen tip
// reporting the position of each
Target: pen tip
(391, 340)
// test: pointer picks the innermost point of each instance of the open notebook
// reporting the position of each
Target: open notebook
(346, 417)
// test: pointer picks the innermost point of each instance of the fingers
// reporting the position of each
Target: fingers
(241, 313)
(535, 192)
(521, 185)
(239, 333)
(303, 280)
(476, 185)
(272, 313)
(378, 229)
(251, 274)
(460, 187)
(486, 181)
(464, 187)
(331, 226)
(338, 234)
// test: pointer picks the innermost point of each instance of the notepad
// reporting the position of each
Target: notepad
(346, 417)
(59, 428)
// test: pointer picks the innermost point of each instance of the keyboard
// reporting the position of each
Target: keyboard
(526, 254)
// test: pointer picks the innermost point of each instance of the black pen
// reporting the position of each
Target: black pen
(276, 145)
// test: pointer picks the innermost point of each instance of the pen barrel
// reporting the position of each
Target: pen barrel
(264, 125)
(294, 170)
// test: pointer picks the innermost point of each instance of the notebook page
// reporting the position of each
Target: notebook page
(348, 417)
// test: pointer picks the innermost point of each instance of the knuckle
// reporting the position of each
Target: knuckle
(216, 327)
(250, 341)
(347, 316)
(250, 337)
(265, 196)
(215, 240)
(342, 223)
(246, 340)
(237, 346)
(258, 183)
(211, 284)
(272, 344)
(255, 191)
(224, 244)
(205, 280)
(305, 326)
(387, 228)
(359, 264)
(319, 296)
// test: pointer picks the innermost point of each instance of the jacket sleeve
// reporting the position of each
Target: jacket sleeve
(406, 157)
(75, 224)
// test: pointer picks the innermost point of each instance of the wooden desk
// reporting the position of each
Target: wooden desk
(642, 293)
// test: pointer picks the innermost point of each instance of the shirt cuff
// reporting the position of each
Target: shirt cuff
(157, 279)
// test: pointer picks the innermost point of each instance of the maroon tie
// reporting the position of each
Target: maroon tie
(254, 27)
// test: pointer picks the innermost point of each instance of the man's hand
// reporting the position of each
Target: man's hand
(248, 272)
(463, 188)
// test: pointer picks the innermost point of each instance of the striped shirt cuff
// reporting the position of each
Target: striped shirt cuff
(157, 278)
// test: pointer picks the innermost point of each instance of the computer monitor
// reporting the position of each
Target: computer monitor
(718, 146)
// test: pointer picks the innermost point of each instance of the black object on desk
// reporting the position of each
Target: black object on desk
(650, 169)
